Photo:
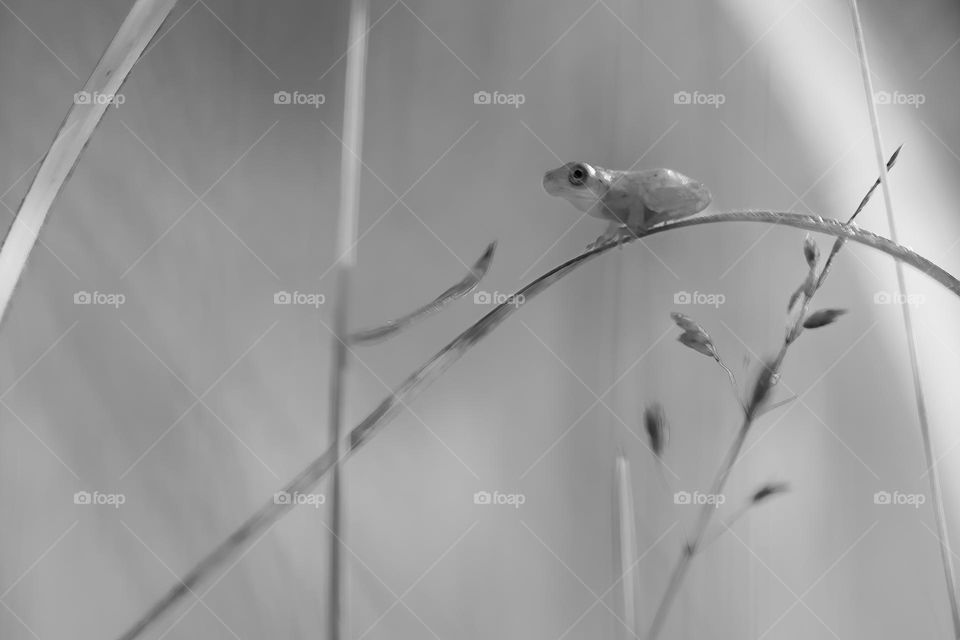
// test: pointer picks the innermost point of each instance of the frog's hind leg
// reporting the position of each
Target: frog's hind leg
(652, 218)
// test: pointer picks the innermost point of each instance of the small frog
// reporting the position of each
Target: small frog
(630, 200)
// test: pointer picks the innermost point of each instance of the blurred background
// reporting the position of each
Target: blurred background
(183, 396)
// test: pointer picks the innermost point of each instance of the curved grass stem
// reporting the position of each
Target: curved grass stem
(269, 513)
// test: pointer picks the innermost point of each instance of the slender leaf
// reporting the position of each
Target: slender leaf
(140, 25)
(460, 289)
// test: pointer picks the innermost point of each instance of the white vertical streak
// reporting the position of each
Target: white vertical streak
(350, 167)
(946, 554)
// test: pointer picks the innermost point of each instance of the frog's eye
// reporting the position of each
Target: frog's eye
(578, 175)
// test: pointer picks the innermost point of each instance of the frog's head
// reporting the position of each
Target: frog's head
(578, 182)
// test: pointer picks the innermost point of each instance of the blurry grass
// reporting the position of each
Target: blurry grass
(347, 224)
(269, 513)
(767, 379)
(625, 543)
(933, 474)
(460, 289)
(132, 38)
(138, 28)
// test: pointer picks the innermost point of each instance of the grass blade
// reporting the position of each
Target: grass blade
(946, 553)
(460, 289)
(625, 547)
(347, 224)
(139, 27)
(258, 524)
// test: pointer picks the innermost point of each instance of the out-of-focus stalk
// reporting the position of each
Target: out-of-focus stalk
(946, 554)
(350, 167)
(139, 27)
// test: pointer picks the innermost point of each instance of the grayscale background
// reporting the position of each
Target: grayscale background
(200, 198)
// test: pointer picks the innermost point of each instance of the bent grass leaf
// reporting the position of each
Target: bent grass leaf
(460, 289)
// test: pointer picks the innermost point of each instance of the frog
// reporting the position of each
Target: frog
(630, 201)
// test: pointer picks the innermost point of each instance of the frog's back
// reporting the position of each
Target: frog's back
(665, 194)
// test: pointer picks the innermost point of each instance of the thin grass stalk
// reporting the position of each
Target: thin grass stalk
(350, 168)
(705, 516)
(946, 553)
(262, 520)
(625, 547)
(754, 408)
(138, 28)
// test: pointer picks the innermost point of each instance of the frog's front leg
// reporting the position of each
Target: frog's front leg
(620, 230)
(616, 232)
